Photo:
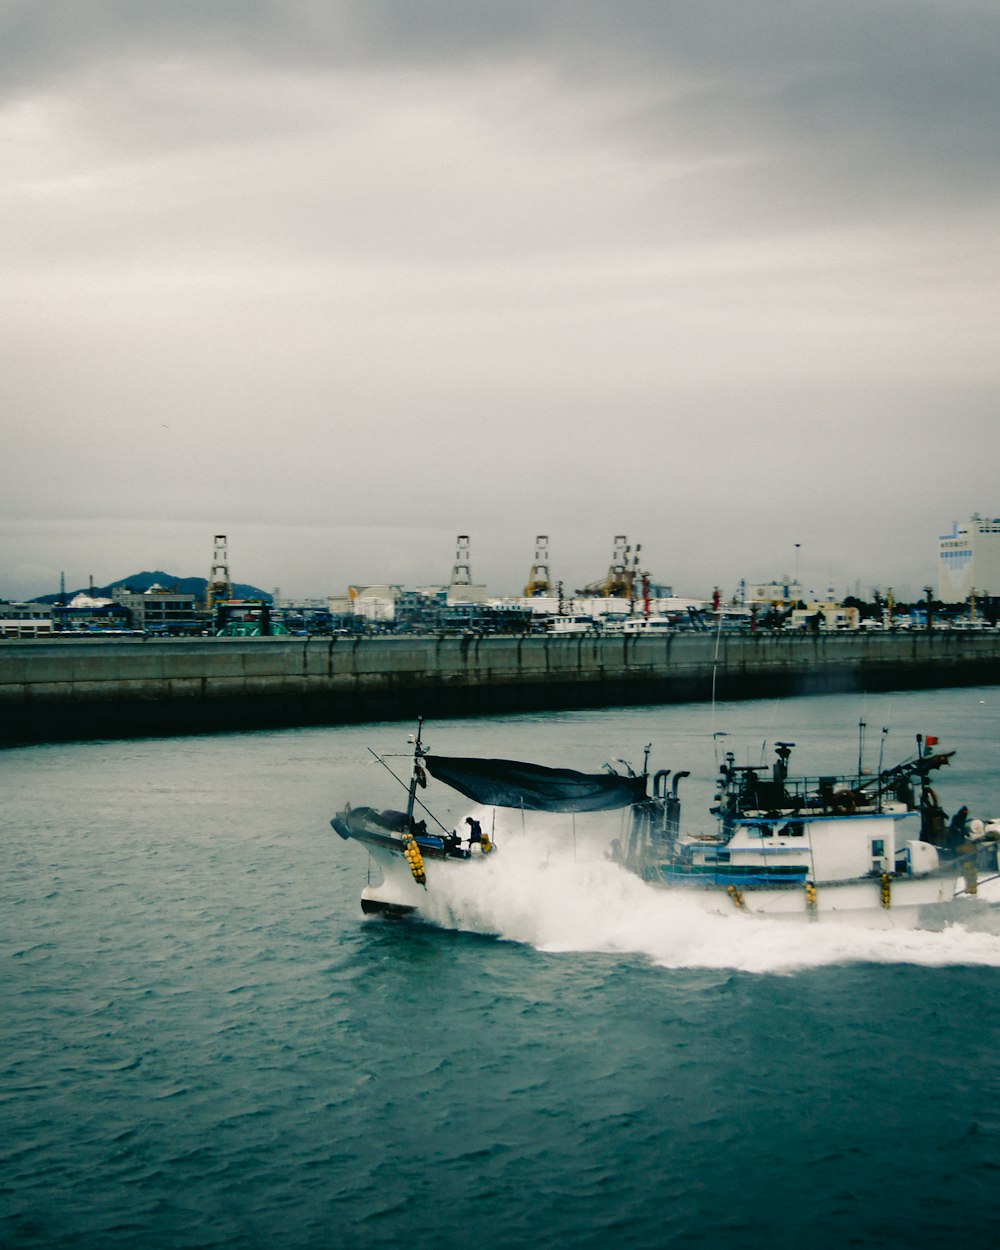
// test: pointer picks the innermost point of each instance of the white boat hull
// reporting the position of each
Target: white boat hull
(859, 902)
(399, 893)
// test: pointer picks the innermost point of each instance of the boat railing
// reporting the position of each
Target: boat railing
(821, 795)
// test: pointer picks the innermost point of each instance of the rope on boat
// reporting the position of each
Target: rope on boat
(418, 802)
(966, 889)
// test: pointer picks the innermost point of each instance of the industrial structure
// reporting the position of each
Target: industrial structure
(539, 579)
(220, 586)
(461, 573)
(623, 577)
(462, 589)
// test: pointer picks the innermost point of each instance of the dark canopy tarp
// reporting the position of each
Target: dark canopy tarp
(509, 783)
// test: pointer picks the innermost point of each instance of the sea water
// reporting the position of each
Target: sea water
(205, 1043)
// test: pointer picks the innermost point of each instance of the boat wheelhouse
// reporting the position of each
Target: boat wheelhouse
(841, 846)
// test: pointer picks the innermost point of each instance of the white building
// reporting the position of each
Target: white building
(969, 560)
(25, 620)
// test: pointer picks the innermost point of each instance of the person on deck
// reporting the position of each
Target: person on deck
(956, 830)
(475, 831)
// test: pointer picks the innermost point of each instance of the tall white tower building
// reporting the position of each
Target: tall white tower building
(969, 560)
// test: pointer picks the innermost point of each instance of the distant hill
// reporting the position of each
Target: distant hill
(141, 582)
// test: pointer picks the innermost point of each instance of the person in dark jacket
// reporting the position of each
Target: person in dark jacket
(956, 830)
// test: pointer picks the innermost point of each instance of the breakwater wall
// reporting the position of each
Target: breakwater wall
(72, 689)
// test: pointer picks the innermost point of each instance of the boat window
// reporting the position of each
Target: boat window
(761, 831)
(794, 829)
(878, 846)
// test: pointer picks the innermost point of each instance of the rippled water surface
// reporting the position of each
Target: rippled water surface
(204, 1043)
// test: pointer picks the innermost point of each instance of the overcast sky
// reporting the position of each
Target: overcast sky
(343, 280)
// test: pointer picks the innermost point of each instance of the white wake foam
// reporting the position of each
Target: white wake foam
(559, 901)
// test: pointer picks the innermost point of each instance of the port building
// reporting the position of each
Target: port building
(161, 611)
(25, 620)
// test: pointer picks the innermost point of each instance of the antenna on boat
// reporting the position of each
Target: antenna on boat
(419, 777)
(861, 745)
(715, 660)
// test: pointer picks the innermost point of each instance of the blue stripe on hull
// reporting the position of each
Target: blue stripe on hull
(673, 874)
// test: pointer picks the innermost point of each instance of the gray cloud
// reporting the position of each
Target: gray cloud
(721, 276)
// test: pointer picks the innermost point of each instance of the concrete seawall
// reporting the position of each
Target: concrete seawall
(51, 691)
(86, 689)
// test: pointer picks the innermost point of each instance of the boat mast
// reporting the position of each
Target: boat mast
(419, 777)
(881, 758)
(861, 746)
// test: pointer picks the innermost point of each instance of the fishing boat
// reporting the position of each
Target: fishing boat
(414, 860)
(872, 849)
(876, 850)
